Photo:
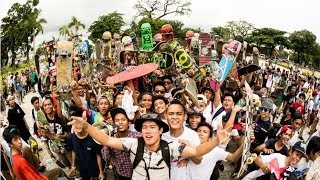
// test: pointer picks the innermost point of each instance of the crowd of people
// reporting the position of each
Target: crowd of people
(151, 129)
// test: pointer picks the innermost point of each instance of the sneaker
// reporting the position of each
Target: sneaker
(60, 164)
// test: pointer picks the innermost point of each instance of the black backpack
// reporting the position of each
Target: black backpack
(140, 151)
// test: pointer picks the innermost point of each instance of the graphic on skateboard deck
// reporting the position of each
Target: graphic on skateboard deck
(247, 156)
(132, 73)
(83, 55)
(64, 66)
(227, 61)
(106, 39)
(191, 90)
(106, 128)
(205, 50)
(248, 69)
(43, 123)
(146, 37)
(34, 146)
(164, 60)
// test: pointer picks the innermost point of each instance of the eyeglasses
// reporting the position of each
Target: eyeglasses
(159, 91)
(265, 109)
(150, 116)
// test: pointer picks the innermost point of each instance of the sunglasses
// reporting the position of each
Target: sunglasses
(150, 116)
(158, 91)
(265, 109)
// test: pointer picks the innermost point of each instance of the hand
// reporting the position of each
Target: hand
(182, 163)
(72, 171)
(236, 108)
(265, 169)
(101, 175)
(223, 134)
(186, 142)
(74, 85)
(142, 111)
(78, 123)
(268, 151)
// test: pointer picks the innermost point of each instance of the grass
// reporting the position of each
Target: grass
(5, 70)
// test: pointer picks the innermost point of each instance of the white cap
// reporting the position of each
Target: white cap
(202, 98)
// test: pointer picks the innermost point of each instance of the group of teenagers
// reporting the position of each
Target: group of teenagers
(152, 130)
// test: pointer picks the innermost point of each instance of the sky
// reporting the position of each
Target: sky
(287, 15)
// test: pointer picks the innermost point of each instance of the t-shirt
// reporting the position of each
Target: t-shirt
(33, 77)
(152, 161)
(270, 144)
(23, 170)
(58, 127)
(182, 172)
(86, 150)
(204, 170)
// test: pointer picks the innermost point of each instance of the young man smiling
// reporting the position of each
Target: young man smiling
(151, 166)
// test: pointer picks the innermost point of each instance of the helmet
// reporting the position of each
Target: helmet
(166, 29)
(157, 37)
(126, 40)
(106, 35)
(116, 36)
(189, 34)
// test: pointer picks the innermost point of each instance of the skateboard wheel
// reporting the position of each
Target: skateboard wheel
(250, 160)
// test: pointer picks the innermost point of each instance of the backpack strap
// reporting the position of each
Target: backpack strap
(139, 153)
(217, 113)
(164, 147)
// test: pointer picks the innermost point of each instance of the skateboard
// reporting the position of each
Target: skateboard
(106, 128)
(34, 146)
(247, 156)
(157, 46)
(36, 59)
(106, 53)
(248, 69)
(127, 43)
(189, 36)
(134, 41)
(185, 61)
(146, 37)
(227, 61)
(83, 55)
(108, 91)
(205, 50)
(219, 49)
(64, 68)
(164, 60)
(167, 32)
(42, 123)
(255, 59)
(132, 73)
(191, 90)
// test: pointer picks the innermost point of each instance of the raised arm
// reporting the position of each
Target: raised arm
(80, 123)
(76, 96)
(217, 98)
(232, 117)
(233, 157)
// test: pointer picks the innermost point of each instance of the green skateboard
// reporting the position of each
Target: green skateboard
(34, 146)
(146, 37)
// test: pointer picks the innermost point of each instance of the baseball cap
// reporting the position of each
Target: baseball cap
(150, 117)
(300, 147)
(117, 110)
(283, 129)
(314, 92)
(202, 98)
(267, 104)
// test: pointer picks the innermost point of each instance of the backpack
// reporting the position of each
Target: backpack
(140, 151)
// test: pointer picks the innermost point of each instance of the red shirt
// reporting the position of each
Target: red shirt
(24, 171)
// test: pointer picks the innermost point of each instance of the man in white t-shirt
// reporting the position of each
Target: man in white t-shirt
(210, 159)
(180, 167)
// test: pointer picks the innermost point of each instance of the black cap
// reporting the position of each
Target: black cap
(207, 88)
(300, 147)
(151, 117)
(117, 110)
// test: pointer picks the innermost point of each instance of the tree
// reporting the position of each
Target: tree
(302, 42)
(157, 9)
(76, 24)
(269, 38)
(111, 22)
(221, 31)
(64, 31)
(242, 28)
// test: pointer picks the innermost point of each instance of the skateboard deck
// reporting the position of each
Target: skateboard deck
(83, 54)
(191, 89)
(34, 146)
(164, 60)
(64, 66)
(248, 69)
(55, 144)
(134, 41)
(247, 156)
(157, 46)
(132, 73)
(146, 37)
(106, 128)
(205, 50)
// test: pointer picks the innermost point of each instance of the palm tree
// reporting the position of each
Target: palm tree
(76, 24)
(64, 31)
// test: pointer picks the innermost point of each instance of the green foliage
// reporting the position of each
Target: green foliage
(111, 22)
(242, 28)
(269, 38)
(221, 31)
(64, 31)
(76, 24)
